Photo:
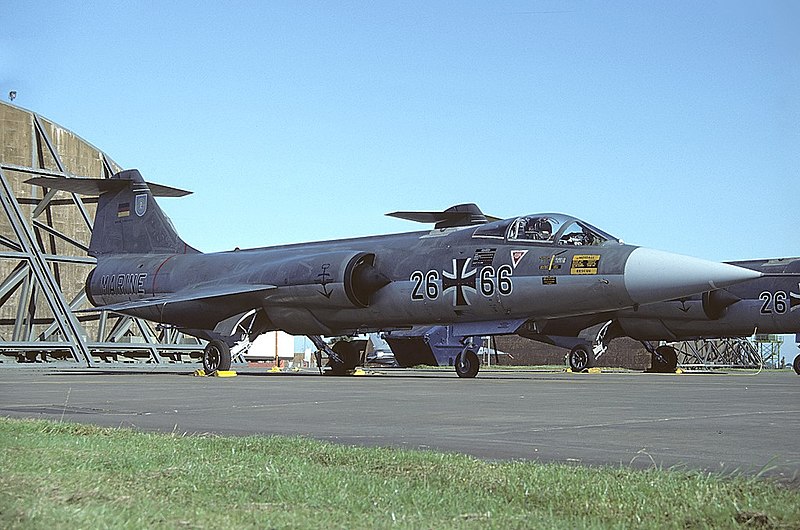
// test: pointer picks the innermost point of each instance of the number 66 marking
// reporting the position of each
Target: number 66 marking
(499, 280)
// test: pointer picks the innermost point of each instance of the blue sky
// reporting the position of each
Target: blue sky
(674, 125)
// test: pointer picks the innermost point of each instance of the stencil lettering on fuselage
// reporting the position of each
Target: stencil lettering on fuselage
(132, 283)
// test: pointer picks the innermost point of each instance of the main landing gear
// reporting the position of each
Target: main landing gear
(435, 346)
(579, 358)
(351, 354)
(343, 358)
(584, 354)
(663, 359)
(796, 365)
(216, 357)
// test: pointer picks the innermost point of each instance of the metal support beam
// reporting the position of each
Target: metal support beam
(37, 255)
(717, 353)
(42, 134)
(44, 276)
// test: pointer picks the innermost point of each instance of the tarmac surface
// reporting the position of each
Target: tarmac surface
(725, 423)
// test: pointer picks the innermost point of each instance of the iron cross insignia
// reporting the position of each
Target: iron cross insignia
(460, 279)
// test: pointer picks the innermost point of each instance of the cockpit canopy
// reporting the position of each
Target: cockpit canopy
(549, 228)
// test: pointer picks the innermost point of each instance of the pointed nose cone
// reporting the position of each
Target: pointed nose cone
(654, 275)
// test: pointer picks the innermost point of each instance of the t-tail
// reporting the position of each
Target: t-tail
(128, 219)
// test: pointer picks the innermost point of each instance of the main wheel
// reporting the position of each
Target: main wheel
(797, 365)
(216, 357)
(578, 358)
(350, 353)
(467, 364)
(664, 360)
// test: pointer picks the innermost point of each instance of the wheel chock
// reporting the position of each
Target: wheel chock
(678, 371)
(595, 370)
(359, 371)
(218, 373)
(568, 370)
(275, 369)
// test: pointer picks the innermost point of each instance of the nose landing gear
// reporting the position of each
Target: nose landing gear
(467, 363)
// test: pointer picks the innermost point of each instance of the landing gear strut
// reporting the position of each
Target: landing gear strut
(336, 365)
(586, 348)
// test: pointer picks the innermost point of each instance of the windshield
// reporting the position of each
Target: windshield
(534, 228)
(580, 234)
(550, 228)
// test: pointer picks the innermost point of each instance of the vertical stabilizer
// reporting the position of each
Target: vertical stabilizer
(129, 221)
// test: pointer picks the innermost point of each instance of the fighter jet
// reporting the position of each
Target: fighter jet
(770, 304)
(439, 289)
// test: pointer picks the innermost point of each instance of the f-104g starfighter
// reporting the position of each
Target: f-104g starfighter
(435, 291)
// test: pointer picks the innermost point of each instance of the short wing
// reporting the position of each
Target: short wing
(90, 186)
(187, 295)
(459, 215)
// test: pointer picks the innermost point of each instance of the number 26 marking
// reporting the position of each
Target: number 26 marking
(431, 286)
(773, 302)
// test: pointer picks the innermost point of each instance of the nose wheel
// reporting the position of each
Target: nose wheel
(467, 363)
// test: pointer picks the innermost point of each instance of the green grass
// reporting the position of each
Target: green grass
(63, 475)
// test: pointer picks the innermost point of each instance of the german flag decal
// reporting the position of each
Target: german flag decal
(123, 209)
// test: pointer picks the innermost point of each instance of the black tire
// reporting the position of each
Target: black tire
(664, 360)
(216, 357)
(797, 365)
(350, 353)
(469, 368)
(579, 358)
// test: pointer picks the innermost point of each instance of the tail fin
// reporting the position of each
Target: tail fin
(128, 219)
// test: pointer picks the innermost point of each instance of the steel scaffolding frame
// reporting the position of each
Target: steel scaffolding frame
(769, 348)
(717, 353)
(46, 326)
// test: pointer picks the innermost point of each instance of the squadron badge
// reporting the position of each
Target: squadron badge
(140, 207)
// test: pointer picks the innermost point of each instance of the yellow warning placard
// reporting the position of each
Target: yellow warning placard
(584, 264)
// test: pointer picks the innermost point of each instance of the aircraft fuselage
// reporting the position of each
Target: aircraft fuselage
(441, 276)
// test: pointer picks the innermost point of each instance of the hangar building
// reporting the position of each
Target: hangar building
(44, 237)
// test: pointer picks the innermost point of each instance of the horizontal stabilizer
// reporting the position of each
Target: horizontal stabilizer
(459, 215)
(91, 186)
(187, 295)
